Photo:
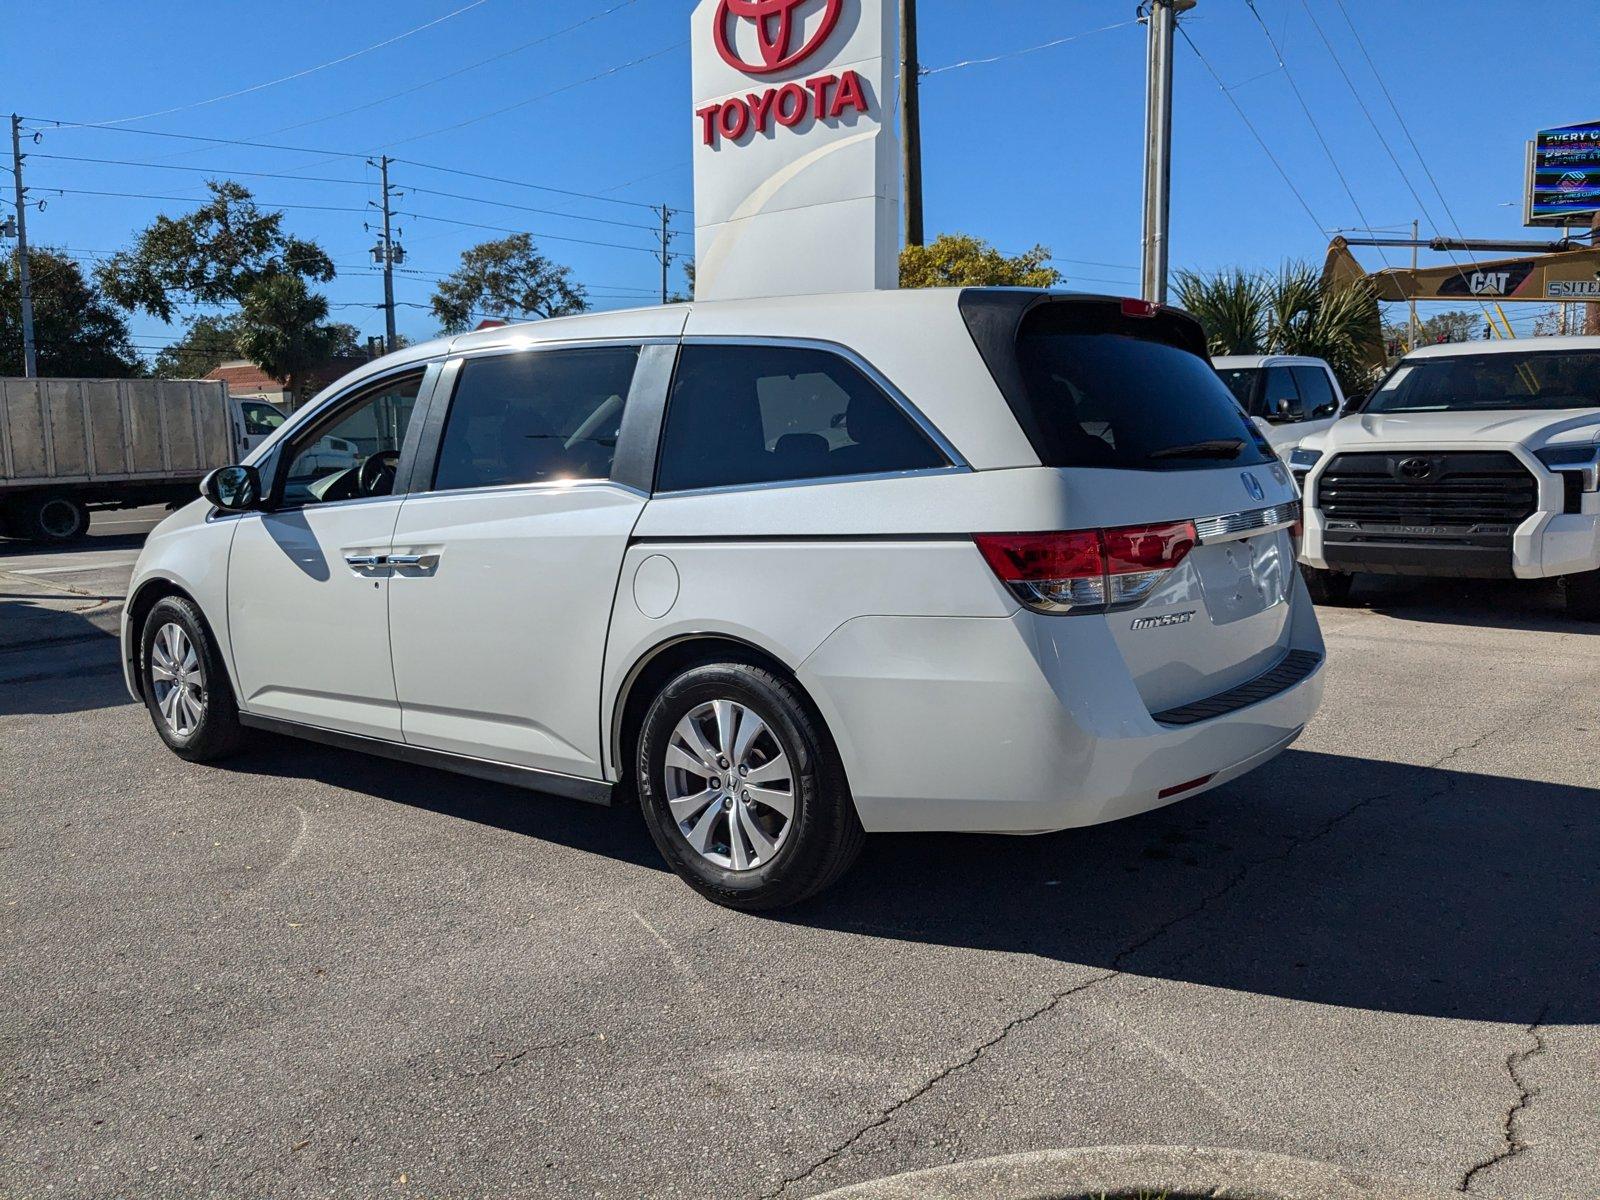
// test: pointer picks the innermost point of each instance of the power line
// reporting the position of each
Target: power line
(1389, 150)
(547, 236)
(539, 187)
(549, 212)
(483, 62)
(1260, 141)
(52, 124)
(67, 191)
(56, 125)
(1061, 41)
(332, 62)
(156, 166)
(1312, 120)
(620, 67)
(1395, 108)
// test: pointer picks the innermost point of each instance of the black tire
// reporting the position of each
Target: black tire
(217, 732)
(1583, 595)
(1328, 587)
(54, 518)
(823, 836)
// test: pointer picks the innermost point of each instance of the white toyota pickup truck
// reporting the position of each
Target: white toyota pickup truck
(1477, 459)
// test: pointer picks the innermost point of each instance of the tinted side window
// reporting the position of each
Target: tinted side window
(1241, 382)
(1316, 391)
(1281, 386)
(535, 417)
(761, 414)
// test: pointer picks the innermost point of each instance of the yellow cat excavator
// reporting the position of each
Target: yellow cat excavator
(1567, 271)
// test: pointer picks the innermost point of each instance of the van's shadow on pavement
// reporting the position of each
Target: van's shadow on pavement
(1322, 878)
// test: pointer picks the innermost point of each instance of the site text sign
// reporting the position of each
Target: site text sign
(796, 159)
(1563, 184)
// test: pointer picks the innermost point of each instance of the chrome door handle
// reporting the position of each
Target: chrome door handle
(365, 560)
(414, 560)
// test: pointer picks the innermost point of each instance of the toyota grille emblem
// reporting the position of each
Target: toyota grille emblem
(778, 24)
(1415, 469)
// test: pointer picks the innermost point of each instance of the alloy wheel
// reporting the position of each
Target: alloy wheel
(730, 785)
(177, 679)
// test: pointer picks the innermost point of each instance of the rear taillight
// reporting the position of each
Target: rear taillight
(1086, 570)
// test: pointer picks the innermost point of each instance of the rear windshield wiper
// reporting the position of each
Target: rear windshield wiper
(1209, 448)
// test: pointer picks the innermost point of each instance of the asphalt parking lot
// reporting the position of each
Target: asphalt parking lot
(314, 973)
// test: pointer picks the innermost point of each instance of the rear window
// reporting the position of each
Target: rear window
(1241, 381)
(1100, 391)
(1547, 379)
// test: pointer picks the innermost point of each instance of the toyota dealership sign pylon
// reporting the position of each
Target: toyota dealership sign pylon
(796, 159)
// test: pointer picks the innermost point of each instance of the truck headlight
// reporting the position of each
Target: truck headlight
(1303, 460)
(1584, 460)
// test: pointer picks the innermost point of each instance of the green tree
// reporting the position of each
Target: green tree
(507, 278)
(207, 342)
(76, 330)
(283, 328)
(230, 253)
(1290, 312)
(959, 260)
(1452, 326)
(213, 256)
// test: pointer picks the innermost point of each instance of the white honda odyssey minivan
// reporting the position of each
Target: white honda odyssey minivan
(786, 571)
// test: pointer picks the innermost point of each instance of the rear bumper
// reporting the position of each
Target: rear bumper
(985, 725)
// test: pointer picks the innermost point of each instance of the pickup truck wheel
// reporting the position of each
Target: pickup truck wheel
(1328, 587)
(54, 518)
(1583, 595)
(185, 684)
(742, 788)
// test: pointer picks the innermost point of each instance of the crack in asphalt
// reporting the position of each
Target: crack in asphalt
(506, 1060)
(885, 1115)
(1119, 967)
(1514, 1145)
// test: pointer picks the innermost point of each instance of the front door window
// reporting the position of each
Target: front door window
(354, 452)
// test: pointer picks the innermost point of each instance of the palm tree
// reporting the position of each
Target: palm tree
(1232, 305)
(1291, 312)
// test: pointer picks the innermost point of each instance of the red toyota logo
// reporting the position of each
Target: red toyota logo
(776, 28)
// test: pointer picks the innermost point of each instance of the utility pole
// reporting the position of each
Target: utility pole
(388, 260)
(910, 122)
(1411, 324)
(30, 362)
(666, 253)
(1161, 17)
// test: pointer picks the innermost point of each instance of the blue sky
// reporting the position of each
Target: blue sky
(1039, 147)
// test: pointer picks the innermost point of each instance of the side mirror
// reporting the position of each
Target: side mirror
(233, 489)
(1325, 410)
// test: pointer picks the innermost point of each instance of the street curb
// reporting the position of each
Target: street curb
(1128, 1171)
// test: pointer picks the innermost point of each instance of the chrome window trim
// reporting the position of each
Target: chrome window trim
(535, 347)
(1227, 527)
(810, 481)
(536, 485)
(855, 359)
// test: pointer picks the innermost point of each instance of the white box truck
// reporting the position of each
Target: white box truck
(68, 446)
